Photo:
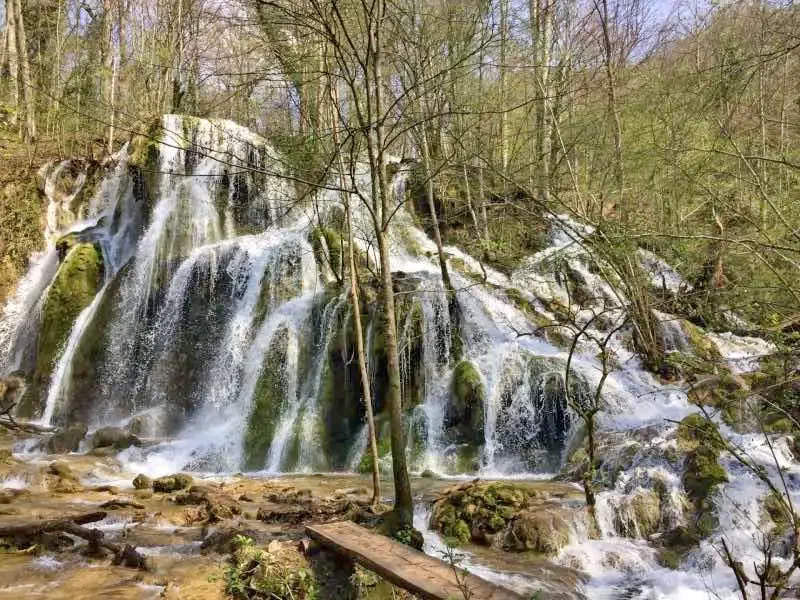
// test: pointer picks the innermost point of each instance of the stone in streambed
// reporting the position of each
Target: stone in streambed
(142, 482)
(114, 437)
(67, 440)
(172, 483)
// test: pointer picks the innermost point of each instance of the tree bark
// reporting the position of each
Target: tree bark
(13, 59)
(25, 75)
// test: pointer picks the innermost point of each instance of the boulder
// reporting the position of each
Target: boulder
(219, 505)
(511, 517)
(464, 414)
(172, 483)
(542, 530)
(67, 440)
(114, 437)
(142, 482)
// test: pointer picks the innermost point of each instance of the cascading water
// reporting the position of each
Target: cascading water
(219, 327)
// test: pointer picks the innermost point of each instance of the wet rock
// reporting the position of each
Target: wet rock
(219, 505)
(7, 496)
(141, 425)
(172, 483)
(500, 514)
(143, 494)
(105, 452)
(142, 482)
(639, 515)
(464, 415)
(114, 437)
(65, 486)
(67, 440)
(543, 530)
(61, 469)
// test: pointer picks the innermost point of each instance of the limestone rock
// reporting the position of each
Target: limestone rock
(172, 483)
(67, 440)
(542, 530)
(142, 482)
(114, 437)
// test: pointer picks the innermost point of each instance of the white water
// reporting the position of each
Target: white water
(247, 259)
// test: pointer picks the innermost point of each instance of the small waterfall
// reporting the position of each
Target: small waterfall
(58, 392)
(301, 420)
(19, 324)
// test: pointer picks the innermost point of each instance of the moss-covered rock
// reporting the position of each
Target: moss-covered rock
(142, 482)
(544, 531)
(172, 483)
(76, 283)
(113, 437)
(696, 430)
(639, 515)
(502, 515)
(66, 440)
(702, 346)
(327, 245)
(464, 416)
(703, 474)
(268, 400)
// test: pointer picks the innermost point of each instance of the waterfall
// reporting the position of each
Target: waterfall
(217, 327)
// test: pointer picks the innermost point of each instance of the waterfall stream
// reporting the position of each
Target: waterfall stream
(219, 329)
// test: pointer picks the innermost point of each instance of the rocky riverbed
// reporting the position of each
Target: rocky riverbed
(202, 536)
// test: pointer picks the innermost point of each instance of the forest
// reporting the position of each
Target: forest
(514, 283)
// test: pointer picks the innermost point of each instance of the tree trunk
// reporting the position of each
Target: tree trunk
(359, 333)
(613, 109)
(542, 35)
(403, 503)
(503, 91)
(362, 361)
(452, 300)
(25, 74)
(13, 60)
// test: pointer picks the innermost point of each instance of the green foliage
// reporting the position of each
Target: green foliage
(271, 574)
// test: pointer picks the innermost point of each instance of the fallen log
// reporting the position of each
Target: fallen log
(116, 503)
(13, 425)
(126, 555)
(33, 528)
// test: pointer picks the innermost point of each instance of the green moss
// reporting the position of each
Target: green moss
(778, 512)
(76, 283)
(268, 399)
(144, 148)
(702, 346)
(467, 385)
(696, 430)
(702, 475)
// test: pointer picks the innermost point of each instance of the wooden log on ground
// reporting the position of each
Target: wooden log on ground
(125, 555)
(32, 528)
(117, 503)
